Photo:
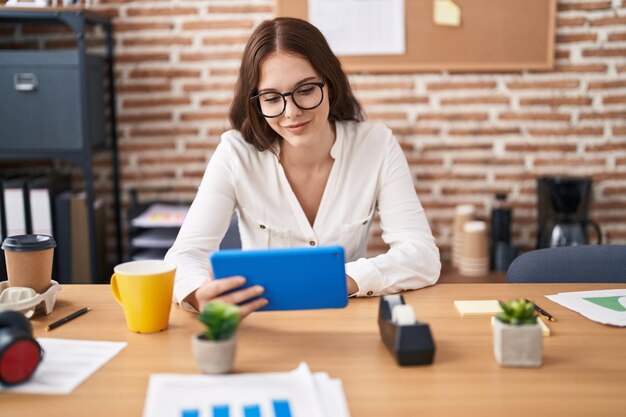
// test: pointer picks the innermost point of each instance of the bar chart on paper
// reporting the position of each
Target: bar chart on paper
(298, 393)
(277, 408)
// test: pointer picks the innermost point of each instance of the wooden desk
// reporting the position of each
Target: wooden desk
(584, 371)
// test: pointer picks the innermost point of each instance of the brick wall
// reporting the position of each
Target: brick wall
(466, 136)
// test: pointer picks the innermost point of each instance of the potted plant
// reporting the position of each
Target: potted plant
(214, 349)
(517, 338)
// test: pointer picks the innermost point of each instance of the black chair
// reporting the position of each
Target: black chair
(594, 263)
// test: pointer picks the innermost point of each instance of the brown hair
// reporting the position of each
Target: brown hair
(299, 37)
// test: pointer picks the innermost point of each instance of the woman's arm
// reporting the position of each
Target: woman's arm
(413, 258)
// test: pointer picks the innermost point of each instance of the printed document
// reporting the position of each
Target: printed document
(357, 27)
(604, 306)
(66, 364)
(280, 394)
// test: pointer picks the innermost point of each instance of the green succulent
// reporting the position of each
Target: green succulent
(517, 312)
(221, 320)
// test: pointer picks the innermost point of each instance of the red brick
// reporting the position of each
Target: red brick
(562, 147)
(552, 162)
(39, 29)
(223, 71)
(213, 56)
(423, 161)
(619, 130)
(478, 85)
(537, 85)
(218, 24)
(434, 147)
(621, 68)
(570, 131)
(484, 132)
(454, 176)
(187, 117)
(144, 117)
(606, 147)
(556, 101)
(618, 37)
(225, 40)
(215, 101)
(156, 102)
(241, 9)
(603, 115)
(394, 100)
(608, 21)
(576, 37)
(598, 5)
(621, 162)
(176, 41)
(219, 86)
(135, 57)
(172, 159)
(605, 52)
(134, 145)
(181, 131)
(387, 115)
(562, 54)
(143, 175)
(161, 11)
(599, 85)
(128, 27)
(452, 117)
(611, 191)
(516, 177)
(415, 130)
(544, 116)
(164, 73)
(204, 145)
(582, 68)
(384, 86)
(142, 88)
(455, 101)
(488, 161)
(614, 100)
(570, 21)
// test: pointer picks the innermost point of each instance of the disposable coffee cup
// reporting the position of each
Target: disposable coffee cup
(29, 261)
(475, 240)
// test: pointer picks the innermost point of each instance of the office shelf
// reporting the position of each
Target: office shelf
(74, 124)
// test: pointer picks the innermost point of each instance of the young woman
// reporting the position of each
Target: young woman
(301, 168)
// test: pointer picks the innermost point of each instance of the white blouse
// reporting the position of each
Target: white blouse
(370, 173)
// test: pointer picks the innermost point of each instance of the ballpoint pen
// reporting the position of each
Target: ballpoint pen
(542, 311)
(68, 318)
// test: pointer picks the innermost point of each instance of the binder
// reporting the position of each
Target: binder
(63, 236)
(42, 191)
(16, 205)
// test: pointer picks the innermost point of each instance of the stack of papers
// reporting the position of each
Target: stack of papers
(161, 215)
(604, 306)
(285, 394)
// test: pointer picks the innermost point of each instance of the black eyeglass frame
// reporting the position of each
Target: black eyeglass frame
(256, 97)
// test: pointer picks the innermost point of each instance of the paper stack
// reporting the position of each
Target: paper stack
(285, 394)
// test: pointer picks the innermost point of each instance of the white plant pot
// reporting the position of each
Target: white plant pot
(520, 346)
(214, 357)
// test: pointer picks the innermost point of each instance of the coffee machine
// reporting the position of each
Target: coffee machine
(563, 212)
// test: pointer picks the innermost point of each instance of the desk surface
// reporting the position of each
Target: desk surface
(584, 370)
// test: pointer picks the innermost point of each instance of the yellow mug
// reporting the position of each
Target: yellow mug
(144, 290)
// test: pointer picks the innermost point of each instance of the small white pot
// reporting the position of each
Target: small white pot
(517, 345)
(214, 357)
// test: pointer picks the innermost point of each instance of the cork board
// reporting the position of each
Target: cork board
(495, 35)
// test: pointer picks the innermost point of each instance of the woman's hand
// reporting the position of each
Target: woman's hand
(215, 290)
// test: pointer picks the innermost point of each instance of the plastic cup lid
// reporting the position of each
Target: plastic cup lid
(28, 243)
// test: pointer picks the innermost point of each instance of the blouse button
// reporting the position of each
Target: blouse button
(262, 226)
(312, 243)
(365, 222)
(370, 292)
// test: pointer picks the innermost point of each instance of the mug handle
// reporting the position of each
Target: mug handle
(115, 290)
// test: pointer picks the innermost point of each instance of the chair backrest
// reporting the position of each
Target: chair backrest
(231, 239)
(594, 263)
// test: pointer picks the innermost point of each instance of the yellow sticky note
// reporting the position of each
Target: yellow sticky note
(446, 13)
(477, 307)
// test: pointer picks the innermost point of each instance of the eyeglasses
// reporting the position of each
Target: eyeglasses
(306, 97)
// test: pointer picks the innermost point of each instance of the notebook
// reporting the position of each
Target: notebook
(293, 278)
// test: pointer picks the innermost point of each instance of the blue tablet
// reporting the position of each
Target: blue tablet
(293, 278)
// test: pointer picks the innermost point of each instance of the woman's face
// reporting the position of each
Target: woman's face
(283, 72)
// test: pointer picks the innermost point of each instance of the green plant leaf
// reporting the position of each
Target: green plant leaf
(221, 320)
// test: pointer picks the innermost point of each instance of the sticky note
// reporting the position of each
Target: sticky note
(446, 13)
(477, 307)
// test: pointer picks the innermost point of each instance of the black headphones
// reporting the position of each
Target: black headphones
(20, 354)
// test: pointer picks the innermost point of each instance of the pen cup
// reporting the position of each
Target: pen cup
(144, 290)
